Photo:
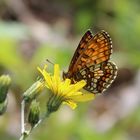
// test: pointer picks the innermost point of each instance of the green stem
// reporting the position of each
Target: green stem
(25, 134)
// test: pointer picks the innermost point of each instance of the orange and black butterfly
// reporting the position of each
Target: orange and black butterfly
(91, 62)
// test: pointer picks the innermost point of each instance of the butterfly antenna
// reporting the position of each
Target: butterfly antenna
(49, 61)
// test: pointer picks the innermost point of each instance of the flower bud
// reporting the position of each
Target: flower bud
(33, 91)
(34, 113)
(5, 82)
(3, 106)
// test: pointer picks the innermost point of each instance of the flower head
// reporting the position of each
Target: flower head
(5, 82)
(32, 92)
(34, 113)
(62, 91)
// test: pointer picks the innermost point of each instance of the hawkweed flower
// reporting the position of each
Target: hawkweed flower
(62, 91)
(33, 91)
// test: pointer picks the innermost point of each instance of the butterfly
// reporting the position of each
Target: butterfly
(91, 62)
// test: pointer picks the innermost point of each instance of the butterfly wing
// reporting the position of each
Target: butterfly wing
(90, 62)
(98, 77)
(95, 50)
(83, 43)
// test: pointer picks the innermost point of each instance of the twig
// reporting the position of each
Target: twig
(22, 117)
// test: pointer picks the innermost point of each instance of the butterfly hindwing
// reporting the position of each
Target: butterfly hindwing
(98, 77)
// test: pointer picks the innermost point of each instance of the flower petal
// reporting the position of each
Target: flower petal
(56, 78)
(64, 85)
(56, 71)
(76, 94)
(57, 74)
(47, 77)
(74, 88)
(83, 97)
(71, 104)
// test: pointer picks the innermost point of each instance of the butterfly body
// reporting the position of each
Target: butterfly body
(91, 62)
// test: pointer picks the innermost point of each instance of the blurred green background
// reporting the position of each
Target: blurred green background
(32, 31)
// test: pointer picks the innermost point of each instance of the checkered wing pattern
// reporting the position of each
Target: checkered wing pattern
(98, 77)
(91, 62)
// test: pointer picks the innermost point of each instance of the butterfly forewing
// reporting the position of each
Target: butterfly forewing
(81, 47)
(94, 51)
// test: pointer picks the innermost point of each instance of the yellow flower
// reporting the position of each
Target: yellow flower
(62, 91)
